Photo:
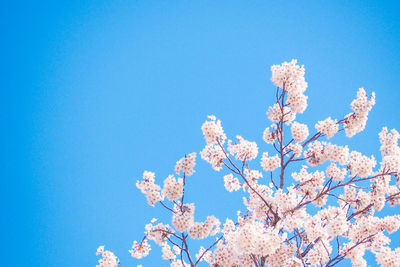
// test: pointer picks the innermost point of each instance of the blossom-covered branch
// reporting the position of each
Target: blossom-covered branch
(278, 226)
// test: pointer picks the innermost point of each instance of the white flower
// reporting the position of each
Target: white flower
(151, 190)
(173, 189)
(270, 163)
(328, 126)
(186, 164)
(244, 150)
(299, 132)
(231, 183)
(140, 250)
(213, 131)
(108, 258)
(183, 218)
(268, 136)
(355, 122)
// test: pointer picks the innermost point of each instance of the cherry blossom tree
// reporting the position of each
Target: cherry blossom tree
(319, 215)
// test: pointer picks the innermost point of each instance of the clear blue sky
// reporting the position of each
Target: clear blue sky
(95, 92)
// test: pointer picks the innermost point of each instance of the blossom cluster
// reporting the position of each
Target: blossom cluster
(328, 127)
(140, 250)
(186, 164)
(231, 183)
(183, 217)
(244, 150)
(355, 122)
(290, 77)
(149, 188)
(299, 131)
(108, 258)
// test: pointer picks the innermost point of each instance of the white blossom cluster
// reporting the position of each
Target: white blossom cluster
(320, 152)
(168, 253)
(173, 189)
(186, 164)
(140, 250)
(151, 190)
(296, 148)
(276, 113)
(290, 77)
(213, 131)
(158, 233)
(108, 258)
(251, 238)
(215, 137)
(202, 230)
(387, 257)
(361, 165)
(231, 183)
(214, 155)
(270, 163)
(299, 131)
(179, 263)
(268, 136)
(355, 122)
(390, 151)
(325, 212)
(336, 173)
(244, 150)
(328, 127)
(183, 217)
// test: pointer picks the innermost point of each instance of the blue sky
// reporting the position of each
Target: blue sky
(95, 92)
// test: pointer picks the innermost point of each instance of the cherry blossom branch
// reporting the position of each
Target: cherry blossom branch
(186, 249)
(253, 257)
(226, 155)
(299, 244)
(165, 232)
(353, 180)
(169, 239)
(182, 249)
(327, 252)
(309, 247)
(165, 206)
(280, 139)
(388, 198)
(238, 172)
(205, 251)
(272, 180)
(183, 190)
(263, 259)
(360, 211)
(339, 257)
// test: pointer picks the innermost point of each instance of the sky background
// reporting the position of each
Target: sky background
(95, 92)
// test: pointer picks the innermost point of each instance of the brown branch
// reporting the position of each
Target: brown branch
(165, 206)
(238, 172)
(323, 192)
(338, 258)
(360, 211)
(273, 182)
(187, 249)
(280, 139)
(309, 247)
(205, 251)
(392, 196)
(183, 190)
(166, 232)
